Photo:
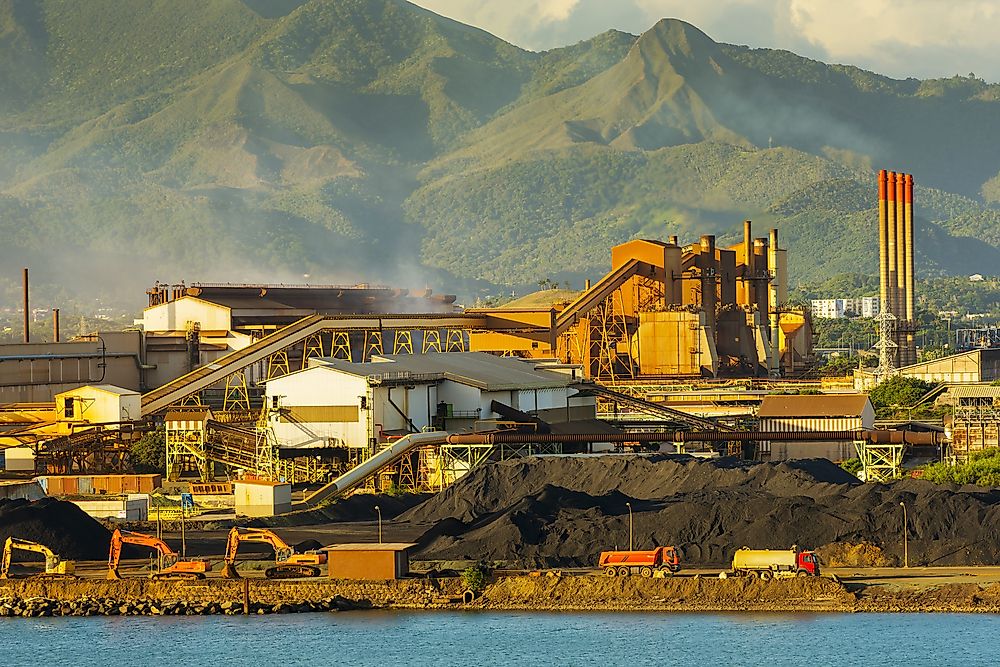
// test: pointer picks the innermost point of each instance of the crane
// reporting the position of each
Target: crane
(54, 566)
(172, 566)
(288, 564)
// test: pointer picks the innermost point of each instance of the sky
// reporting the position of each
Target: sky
(899, 38)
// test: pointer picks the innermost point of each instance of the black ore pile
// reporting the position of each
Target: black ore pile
(59, 525)
(562, 511)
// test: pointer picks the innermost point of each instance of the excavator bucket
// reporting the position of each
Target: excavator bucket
(113, 575)
(229, 571)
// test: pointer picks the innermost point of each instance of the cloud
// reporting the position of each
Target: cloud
(900, 38)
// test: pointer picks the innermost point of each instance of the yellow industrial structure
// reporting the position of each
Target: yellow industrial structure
(666, 311)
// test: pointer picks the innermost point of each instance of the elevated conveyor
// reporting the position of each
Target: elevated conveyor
(366, 469)
(657, 409)
(604, 288)
(217, 371)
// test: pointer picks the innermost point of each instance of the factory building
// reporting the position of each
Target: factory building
(828, 412)
(357, 406)
(667, 310)
(975, 426)
(974, 366)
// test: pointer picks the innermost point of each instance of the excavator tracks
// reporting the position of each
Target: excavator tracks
(291, 572)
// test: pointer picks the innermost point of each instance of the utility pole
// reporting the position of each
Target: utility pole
(629, 506)
(906, 554)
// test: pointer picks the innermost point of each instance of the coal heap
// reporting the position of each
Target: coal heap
(61, 526)
(562, 511)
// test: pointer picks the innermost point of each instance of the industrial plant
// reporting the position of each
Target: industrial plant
(679, 348)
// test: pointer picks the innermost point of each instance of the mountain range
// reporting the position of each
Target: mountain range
(375, 141)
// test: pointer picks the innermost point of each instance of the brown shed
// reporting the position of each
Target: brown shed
(371, 561)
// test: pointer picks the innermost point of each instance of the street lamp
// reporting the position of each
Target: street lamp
(379, 511)
(906, 554)
(629, 506)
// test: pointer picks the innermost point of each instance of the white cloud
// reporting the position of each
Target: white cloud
(922, 38)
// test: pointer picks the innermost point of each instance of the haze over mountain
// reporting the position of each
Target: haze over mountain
(372, 140)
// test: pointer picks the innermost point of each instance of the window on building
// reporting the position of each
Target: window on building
(68, 411)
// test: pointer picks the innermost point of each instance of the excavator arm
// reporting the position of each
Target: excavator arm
(285, 558)
(170, 562)
(53, 564)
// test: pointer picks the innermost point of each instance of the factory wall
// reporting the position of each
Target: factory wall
(175, 315)
(96, 405)
(36, 372)
(329, 403)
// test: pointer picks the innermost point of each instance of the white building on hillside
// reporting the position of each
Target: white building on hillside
(831, 309)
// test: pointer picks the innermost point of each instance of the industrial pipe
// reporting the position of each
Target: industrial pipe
(874, 437)
(55, 325)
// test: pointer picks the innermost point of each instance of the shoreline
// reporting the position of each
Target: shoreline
(143, 597)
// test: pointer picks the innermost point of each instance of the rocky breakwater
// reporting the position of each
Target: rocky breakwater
(142, 597)
(88, 606)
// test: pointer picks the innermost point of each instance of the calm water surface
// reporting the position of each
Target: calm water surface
(474, 638)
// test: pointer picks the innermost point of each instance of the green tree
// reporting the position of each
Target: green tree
(899, 390)
(149, 453)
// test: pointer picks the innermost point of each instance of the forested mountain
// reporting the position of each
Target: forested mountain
(372, 140)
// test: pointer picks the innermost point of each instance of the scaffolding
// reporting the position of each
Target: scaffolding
(880, 462)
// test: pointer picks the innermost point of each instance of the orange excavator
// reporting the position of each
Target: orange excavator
(172, 566)
(287, 563)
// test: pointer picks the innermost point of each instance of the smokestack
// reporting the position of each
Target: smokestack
(748, 283)
(55, 325)
(772, 264)
(900, 248)
(708, 244)
(883, 241)
(672, 240)
(890, 245)
(586, 284)
(27, 311)
(911, 343)
(908, 243)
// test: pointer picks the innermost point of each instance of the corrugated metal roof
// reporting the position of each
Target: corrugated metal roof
(826, 405)
(975, 391)
(477, 369)
(371, 546)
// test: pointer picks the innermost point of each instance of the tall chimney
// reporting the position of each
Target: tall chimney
(27, 310)
(900, 247)
(774, 315)
(890, 245)
(55, 325)
(748, 283)
(911, 343)
(908, 241)
(672, 240)
(883, 242)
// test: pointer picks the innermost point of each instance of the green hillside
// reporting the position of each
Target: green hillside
(372, 140)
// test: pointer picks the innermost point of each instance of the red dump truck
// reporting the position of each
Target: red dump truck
(767, 563)
(646, 563)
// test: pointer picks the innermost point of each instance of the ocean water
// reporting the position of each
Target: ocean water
(509, 638)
